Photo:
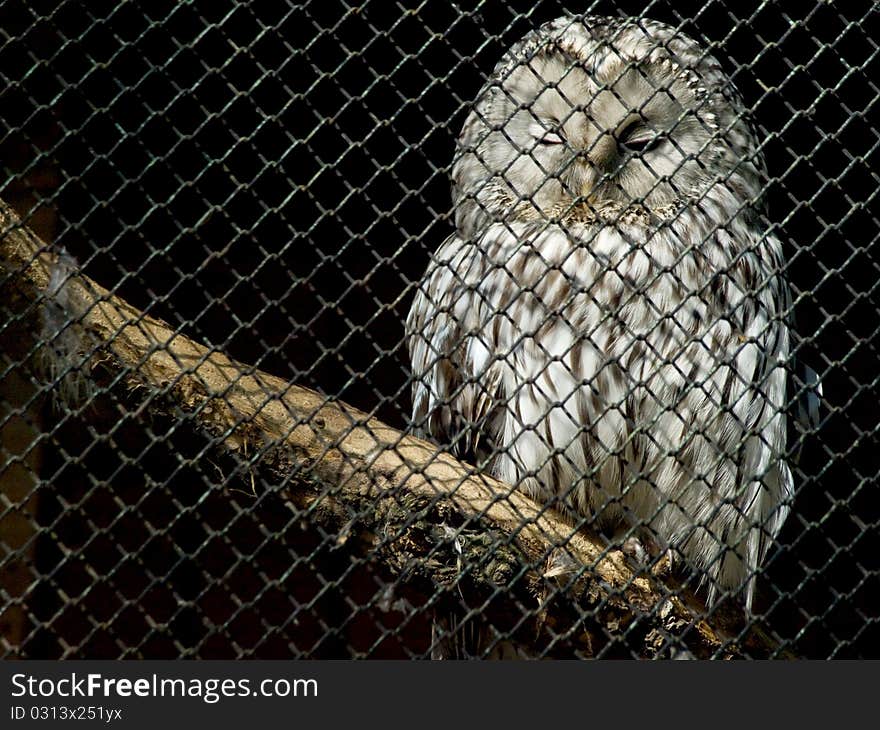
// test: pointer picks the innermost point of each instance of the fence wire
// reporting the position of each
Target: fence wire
(650, 305)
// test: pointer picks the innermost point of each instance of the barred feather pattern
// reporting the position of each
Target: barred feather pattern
(613, 345)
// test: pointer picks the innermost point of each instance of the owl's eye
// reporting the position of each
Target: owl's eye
(551, 136)
(639, 139)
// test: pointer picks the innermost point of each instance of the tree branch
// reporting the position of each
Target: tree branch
(433, 522)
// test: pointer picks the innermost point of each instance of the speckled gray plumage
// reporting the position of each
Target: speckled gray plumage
(606, 329)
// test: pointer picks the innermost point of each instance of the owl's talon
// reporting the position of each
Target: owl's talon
(664, 565)
(636, 551)
(644, 552)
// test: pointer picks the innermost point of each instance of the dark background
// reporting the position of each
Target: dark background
(271, 177)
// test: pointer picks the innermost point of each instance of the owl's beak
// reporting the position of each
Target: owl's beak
(587, 194)
(588, 185)
(603, 151)
(599, 157)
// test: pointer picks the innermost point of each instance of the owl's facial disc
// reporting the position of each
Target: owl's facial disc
(621, 135)
(604, 117)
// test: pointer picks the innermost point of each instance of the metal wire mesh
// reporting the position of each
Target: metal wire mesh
(272, 179)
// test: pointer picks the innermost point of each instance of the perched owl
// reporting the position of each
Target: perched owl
(607, 327)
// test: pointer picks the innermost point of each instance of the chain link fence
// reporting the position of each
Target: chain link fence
(224, 212)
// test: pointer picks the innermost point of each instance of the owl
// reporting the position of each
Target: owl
(607, 328)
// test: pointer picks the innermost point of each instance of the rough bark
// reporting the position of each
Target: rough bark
(431, 521)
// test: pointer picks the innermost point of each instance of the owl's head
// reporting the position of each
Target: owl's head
(589, 116)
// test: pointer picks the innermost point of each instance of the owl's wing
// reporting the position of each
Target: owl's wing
(456, 386)
(806, 391)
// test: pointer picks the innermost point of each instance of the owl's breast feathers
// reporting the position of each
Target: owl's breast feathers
(630, 371)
